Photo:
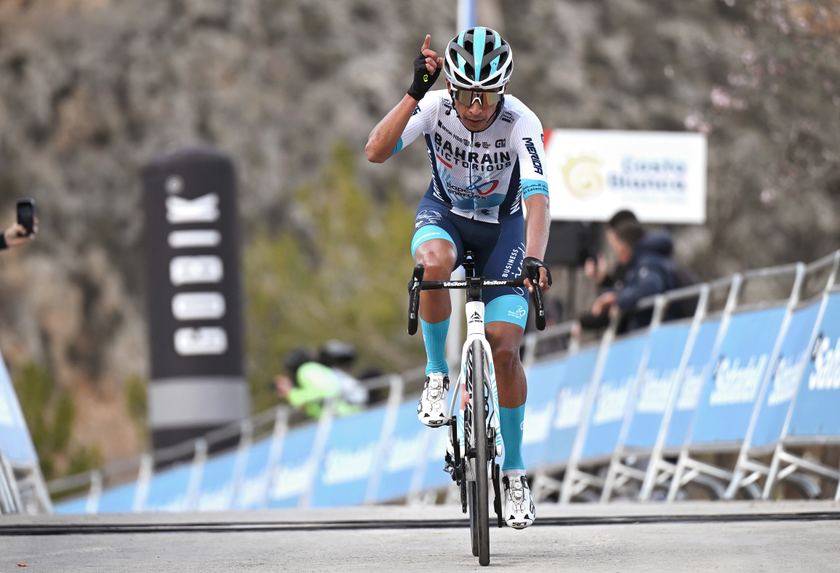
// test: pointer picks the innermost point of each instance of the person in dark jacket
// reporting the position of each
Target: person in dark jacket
(649, 271)
(605, 278)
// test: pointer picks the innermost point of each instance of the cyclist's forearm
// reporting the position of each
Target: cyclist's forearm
(384, 137)
(537, 225)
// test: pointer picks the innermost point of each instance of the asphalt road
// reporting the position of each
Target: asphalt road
(710, 536)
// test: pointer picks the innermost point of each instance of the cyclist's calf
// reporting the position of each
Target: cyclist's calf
(504, 339)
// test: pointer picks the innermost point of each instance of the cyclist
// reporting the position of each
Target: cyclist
(487, 157)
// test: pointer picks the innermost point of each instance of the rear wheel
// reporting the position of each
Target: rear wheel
(480, 524)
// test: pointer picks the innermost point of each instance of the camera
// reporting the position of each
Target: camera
(26, 215)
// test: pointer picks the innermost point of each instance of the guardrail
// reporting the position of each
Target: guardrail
(753, 373)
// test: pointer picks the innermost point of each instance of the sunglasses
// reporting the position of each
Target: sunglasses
(485, 99)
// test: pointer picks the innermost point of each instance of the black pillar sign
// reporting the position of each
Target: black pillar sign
(195, 316)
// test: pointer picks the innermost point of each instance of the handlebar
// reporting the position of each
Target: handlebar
(417, 284)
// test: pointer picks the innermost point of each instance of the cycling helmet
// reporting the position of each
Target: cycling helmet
(335, 352)
(478, 59)
(296, 358)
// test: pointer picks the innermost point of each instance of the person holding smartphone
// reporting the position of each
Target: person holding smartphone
(24, 229)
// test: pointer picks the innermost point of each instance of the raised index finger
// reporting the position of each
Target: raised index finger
(426, 43)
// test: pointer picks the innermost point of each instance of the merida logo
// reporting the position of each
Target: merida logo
(476, 317)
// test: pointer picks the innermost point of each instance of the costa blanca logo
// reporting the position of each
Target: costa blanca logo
(583, 176)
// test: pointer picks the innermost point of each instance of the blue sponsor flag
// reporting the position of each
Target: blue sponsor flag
(815, 413)
(691, 385)
(252, 492)
(616, 386)
(785, 376)
(434, 459)
(667, 345)
(349, 458)
(169, 490)
(571, 395)
(293, 473)
(733, 382)
(119, 499)
(544, 382)
(215, 492)
(77, 505)
(403, 454)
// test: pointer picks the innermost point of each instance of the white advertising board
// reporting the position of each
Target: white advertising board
(660, 176)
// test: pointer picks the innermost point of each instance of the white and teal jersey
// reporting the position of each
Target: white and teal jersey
(482, 175)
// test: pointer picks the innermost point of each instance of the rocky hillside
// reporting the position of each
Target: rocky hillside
(91, 89)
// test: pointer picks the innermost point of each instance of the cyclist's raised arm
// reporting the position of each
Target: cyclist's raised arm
(385, 139)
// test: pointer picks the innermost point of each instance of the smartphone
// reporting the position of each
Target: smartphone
(26, 214)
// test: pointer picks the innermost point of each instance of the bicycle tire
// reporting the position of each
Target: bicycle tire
(479, 428)
(471, 499)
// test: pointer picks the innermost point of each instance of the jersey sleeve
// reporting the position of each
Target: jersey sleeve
(527, 136)
(421, 121)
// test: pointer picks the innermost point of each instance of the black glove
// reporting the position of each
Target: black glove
(539, 264)
(423, 81)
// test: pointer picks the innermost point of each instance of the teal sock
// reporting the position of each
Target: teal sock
(512, 421)
(434, 337)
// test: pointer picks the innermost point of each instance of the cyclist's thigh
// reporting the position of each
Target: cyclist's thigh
(504, 261)
(431, 224)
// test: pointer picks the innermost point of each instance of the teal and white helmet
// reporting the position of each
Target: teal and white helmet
(478, 59)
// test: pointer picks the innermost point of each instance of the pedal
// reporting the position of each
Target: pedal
(452, 469)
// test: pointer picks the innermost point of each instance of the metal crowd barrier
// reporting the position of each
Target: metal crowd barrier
(754, 373)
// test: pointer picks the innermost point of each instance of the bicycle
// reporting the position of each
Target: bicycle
(476, 429)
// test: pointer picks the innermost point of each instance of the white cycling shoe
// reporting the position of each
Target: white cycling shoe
(432, 407)
(519, 507)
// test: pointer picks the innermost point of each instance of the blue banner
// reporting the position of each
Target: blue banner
(169, 490)
(731, 387)
(785, 376)
(815, 413)
(292, 476)
(403, 454)
(433, 475)
(349, 459)
(252, 492)
(544, 382)
(692, 383)
(77, 505)
(118, 500)
(571, 395)
(15, 442)
(614, 390)
(215, 492)
(667, 345)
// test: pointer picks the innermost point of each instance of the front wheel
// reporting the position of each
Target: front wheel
(479, 504)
